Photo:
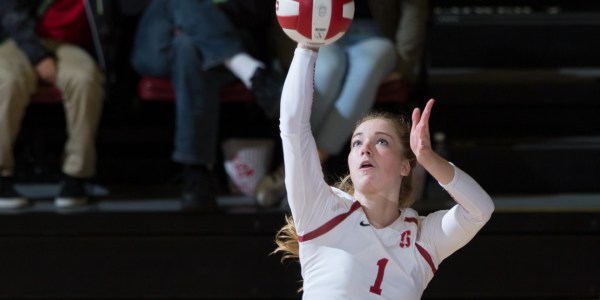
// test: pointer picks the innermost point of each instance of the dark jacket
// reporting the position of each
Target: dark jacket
(18, 19)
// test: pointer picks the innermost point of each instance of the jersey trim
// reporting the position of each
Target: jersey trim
(411, 220)
(427, 257)
(422, 250)
(329, 225)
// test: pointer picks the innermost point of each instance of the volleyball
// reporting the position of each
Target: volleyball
(315, 22)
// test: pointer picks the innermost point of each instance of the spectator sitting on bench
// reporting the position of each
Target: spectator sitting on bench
(197, 46)
(48, 41)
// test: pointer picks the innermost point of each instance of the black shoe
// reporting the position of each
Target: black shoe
(9, 197)
(199, 189)
(266, 87)
(72, 192)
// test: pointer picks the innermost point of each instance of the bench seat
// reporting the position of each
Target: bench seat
(159, 89)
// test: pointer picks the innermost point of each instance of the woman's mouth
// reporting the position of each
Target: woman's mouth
(365, 165)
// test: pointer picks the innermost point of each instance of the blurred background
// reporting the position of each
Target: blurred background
(517, 84)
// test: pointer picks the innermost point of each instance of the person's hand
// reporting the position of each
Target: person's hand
(46, 70)
(420, 140)
(305, 46)
(420, 143)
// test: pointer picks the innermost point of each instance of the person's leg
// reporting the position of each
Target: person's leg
(153, 39)
(197, 104)
(208, 29)
(175, 33)
(82, 85)
(220, 43)
(330, 72)
(369, 63)
(197, 121)
(17, 82)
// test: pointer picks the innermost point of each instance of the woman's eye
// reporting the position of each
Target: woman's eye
(382, 142)
(356, 143)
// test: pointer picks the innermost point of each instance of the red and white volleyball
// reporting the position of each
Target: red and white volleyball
(315, 22)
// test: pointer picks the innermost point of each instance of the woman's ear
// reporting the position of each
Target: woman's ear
(405, 168)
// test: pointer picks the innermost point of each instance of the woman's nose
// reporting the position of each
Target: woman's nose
(365, 150)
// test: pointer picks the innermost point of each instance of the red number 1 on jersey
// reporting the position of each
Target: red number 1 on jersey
(376, 287)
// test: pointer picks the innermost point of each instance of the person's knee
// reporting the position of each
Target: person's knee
(331, 68)
(7, 79)
(83, 81)
(147, 64)
(377, 48)
(85, 77)
(9, 83)
(387, 50)
(149, 61)
(331, 59)
(137, 62)
(374, 55)
(184, 50)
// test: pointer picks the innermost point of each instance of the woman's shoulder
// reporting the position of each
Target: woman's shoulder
(343, 195)
(410, 213)
(422, 220)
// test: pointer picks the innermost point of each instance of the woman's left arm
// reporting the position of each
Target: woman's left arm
(448, 231)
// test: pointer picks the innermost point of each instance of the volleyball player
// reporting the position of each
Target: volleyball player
(362, 240)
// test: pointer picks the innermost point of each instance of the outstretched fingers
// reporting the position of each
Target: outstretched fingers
(427, 112)
(416, 115)
(422, 119)
(420, 140)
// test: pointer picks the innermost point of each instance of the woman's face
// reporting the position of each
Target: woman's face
(375, 161)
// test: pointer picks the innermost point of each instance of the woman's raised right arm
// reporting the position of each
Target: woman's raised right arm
(309, 196)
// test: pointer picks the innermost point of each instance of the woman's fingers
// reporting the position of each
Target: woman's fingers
(427, 111)
(420, 127)
(416, 115)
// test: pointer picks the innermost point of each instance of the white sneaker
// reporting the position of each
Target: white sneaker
(68, 202)
(271, 188)
(13, 202)
(9, 197)
(72, 193)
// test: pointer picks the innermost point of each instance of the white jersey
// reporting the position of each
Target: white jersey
(341, 255)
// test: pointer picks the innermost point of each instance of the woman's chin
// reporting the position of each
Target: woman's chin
(366, 185)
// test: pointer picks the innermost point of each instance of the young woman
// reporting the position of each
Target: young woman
(363, 241)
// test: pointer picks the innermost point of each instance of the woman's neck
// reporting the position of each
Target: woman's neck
(380, 210)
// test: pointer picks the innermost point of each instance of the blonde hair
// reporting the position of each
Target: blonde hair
(287, 237)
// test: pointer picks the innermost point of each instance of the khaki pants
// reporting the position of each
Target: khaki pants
(82, 85)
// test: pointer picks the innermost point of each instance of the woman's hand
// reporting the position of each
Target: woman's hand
(420, 143)
(420, 139)
(305, 46)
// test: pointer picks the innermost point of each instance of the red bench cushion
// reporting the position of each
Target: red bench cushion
(46, 93)
(157, 89)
